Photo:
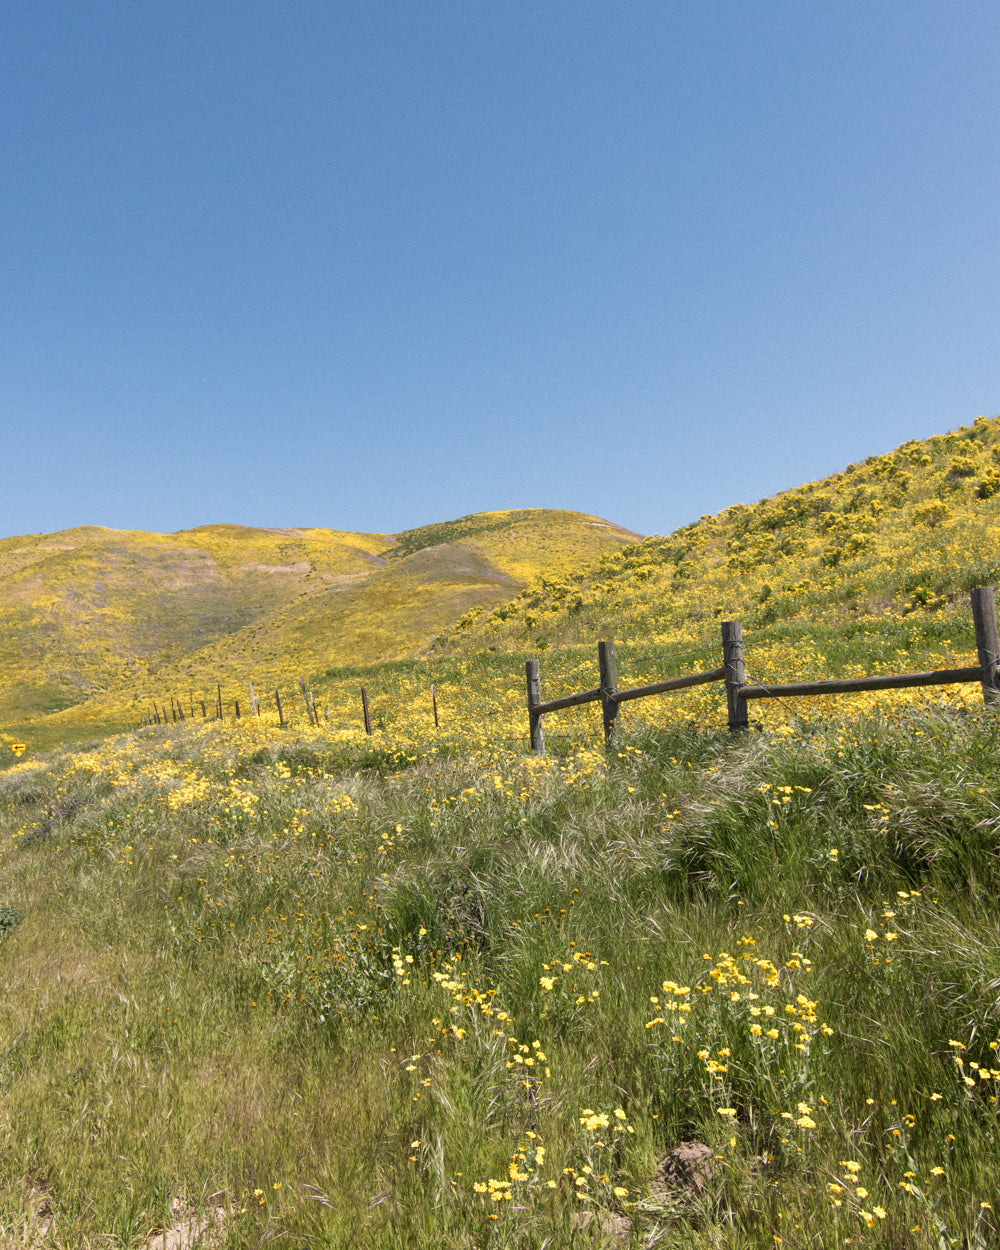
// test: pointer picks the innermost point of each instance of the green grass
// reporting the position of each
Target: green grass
(290, 984)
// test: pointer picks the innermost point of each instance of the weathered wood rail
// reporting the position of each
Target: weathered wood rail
(738, 691)
(732, 673)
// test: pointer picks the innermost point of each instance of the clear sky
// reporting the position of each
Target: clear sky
(369, 265)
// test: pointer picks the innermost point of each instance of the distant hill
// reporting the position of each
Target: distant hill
(898, 534)
(91, 616)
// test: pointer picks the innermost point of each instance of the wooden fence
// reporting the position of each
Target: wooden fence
(160, 716)
(219, 708)
(733, 673)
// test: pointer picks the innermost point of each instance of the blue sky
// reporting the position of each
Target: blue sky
(370, 265)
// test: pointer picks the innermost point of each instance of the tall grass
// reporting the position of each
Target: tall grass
(316, 989)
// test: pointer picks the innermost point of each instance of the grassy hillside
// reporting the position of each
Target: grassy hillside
(91, 609)
(900, 534)
(99, 622)
(523, 543)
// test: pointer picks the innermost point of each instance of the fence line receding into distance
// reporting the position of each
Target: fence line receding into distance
(732, 672)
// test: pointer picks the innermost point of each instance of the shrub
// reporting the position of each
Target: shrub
(989, 485)
(931, 513)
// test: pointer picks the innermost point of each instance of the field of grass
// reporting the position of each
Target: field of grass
(307, 987)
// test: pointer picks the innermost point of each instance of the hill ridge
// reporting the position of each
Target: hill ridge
(901, 532)
(98, 612)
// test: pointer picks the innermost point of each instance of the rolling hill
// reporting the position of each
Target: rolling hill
(100, 623)
(95, 617)
(899, 534)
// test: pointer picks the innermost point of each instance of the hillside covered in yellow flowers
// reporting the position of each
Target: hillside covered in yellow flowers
(898, 534)
(93, 617)
(100, 624)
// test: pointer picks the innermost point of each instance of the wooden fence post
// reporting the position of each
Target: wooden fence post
(204, 710)
(434, 704)
(534, 679)
(219, 702)
(237, 709)
(281, 715)
(364, 709)
(732, 660)
(305, 698)
(608, 666)
(984, 616)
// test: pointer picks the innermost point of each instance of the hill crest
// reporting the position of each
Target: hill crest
(98, 613)
(899, 533)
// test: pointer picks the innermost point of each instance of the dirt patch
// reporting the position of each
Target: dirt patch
(188, 1231)
(612, 1227)
(688, 1166)
(678, 1189)
(37, 1228)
